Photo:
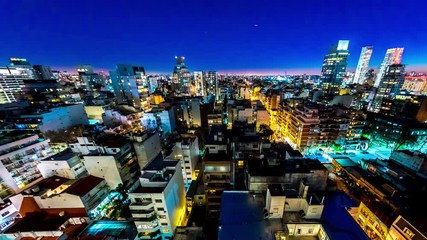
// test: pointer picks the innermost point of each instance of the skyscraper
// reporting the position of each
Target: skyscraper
(389, 86)
(181, 83)
(212, 83)
(200, 84)
(131, 86)
(363, 65)
(42, 72)
(392, 56)
(334, 66)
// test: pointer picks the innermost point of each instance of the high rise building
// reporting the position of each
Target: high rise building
(12, 82)
(212, 83)
(389, 86)
(334, 66)
(131, 86)
(181, 79)
(89, 78)
(200, 84)
(42, 72)
(392, 56)
(363, 65)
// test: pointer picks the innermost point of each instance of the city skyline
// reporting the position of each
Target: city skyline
(229, 38)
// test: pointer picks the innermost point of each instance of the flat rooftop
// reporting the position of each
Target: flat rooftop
(257, 167)
(158, 163)
(217, 157)
(240, 217)
(37, 221)
(62, 156)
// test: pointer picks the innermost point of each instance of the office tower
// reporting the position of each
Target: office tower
(334, 66)
(43, 72)
(212, 83)
(363, 65)
(131, 86)
(200, 84)
(389, 86)
(392, 56)
(181, 83)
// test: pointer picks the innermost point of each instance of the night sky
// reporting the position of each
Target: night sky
(225, 35)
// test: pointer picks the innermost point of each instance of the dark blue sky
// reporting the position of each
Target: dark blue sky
(226, 35)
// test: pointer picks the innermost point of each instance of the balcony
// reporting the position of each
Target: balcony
(142, 214)
(150, 235)
(141, 206)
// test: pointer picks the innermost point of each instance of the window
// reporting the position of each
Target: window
(160, 209)
(299, 231)
(162, 216)
(200, 197)
(158, 200)
(310, 231)
(164, 224)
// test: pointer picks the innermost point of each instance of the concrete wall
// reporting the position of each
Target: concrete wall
(174, 195)
(148, 149)
(104, 167)
(304, 229)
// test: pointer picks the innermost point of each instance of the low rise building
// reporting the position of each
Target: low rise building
(75, 197)
(65, 164)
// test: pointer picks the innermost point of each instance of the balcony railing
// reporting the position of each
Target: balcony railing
(141, 205)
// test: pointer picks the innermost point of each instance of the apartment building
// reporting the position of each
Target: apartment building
(19, 156)
(158, 200)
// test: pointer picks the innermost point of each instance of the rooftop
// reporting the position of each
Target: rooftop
(62, 156)
(46, 185)
(37, 221)
(217, 157)
(158, 163)
(84, 185)
(240, 217)
(257, 167)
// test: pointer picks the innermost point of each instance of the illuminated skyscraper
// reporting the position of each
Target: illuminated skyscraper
(200, 84)
(334, 66)
(389, 86)
(392, 56)
(363, 65)
(212, 83)
(181, 83)
(131, 86)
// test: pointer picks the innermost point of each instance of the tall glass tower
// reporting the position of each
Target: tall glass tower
(389, 86)
(392, 56)
(334, 66)
(363, 65)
